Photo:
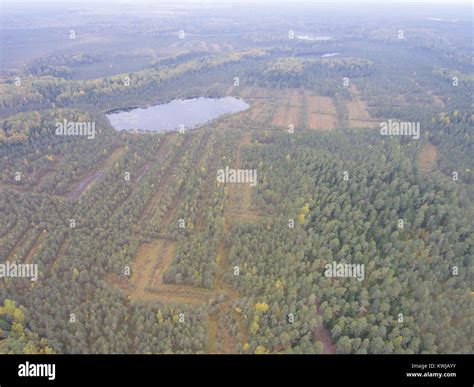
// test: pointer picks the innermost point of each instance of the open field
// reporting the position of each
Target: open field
(428, 158)
(297, 107)
(358, 112)
(321, 113)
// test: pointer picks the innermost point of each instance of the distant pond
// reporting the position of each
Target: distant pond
(191, 113)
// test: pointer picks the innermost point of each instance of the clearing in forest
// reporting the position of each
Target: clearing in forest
(240, 194)
(60, 254)
(358, 113)
(428, 158)
(320, 112)
(261, 101)
(87, 181)
(160, 190)
(321, 334)
(284, 107)
(258, 104)
(36, 247)
(288, 106)
(220, 339)
(279, 118)
(20, 243)
(437, 101)
(147, 277)
(293, 113)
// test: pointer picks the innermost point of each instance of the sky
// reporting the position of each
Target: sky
(155, 2)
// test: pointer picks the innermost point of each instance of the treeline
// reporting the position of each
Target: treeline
(60, 66)
(324, 75)
(105, 93)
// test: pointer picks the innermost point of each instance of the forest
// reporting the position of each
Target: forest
(140, 249)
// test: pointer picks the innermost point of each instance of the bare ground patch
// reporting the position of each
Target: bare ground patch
(239, 200)
(428, 158)
(60, 254)
(36, 247)
(212, 333)
(261, 104)
(358, 112)
(21, 242)
(321, 112)
(87, 181)
(293, 114)
(147, 277)
(221, 340)
(321, 334)
(164, 150)
(279, 119)
(437, 100)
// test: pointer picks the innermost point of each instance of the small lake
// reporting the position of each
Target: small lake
(330, 54)
(318, 38)
(191, 113)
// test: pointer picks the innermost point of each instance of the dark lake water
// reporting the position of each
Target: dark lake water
(169, 116)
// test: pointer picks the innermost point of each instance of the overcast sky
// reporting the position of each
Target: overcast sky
(156, 2)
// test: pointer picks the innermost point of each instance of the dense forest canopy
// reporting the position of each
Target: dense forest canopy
(140, 249)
